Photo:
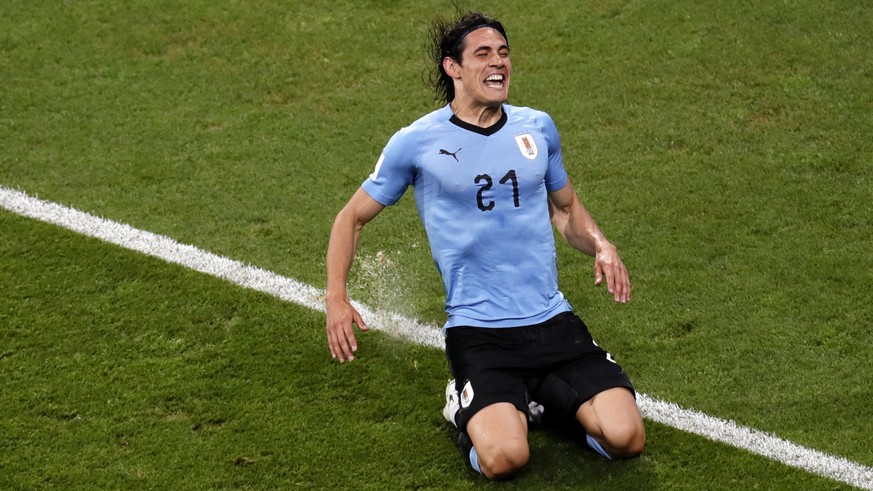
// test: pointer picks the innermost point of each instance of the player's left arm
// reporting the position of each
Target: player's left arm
(576, 225)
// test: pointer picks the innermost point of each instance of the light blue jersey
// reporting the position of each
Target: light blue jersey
(482, 196)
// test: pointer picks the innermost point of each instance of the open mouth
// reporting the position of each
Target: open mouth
(495, 81)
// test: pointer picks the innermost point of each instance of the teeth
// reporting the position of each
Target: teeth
(494, 78)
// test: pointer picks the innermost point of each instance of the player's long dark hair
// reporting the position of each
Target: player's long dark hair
(447, 40)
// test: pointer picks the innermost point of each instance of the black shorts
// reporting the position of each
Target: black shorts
(555, 363)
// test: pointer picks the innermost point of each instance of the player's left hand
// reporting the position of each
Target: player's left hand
(608, 265)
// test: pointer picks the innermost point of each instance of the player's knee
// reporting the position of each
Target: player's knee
(626, 442)
(504, 461)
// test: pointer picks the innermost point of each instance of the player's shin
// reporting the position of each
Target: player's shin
(468, 451)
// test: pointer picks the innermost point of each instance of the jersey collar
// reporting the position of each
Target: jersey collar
(494, 128)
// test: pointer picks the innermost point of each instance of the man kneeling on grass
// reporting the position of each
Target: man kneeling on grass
(489, 184)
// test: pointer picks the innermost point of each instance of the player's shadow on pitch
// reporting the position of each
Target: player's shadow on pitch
(560, 458)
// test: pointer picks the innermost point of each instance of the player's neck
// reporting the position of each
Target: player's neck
(479, 115)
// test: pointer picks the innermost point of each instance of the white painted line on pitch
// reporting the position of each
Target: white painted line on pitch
(755, 441)
(205, 262)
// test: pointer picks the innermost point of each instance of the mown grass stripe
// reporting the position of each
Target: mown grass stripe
(725, 431)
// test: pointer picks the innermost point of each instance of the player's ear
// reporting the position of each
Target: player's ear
(452, 67)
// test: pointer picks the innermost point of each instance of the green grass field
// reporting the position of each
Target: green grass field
(724, 147)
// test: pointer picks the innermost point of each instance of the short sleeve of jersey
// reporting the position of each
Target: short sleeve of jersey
(556, 175)
(395, 170)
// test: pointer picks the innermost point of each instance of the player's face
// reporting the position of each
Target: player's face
(486, 68)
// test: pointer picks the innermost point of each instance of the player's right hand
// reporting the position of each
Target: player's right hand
(340, 334)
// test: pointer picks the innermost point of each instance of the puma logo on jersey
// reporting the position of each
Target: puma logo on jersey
(454, 154)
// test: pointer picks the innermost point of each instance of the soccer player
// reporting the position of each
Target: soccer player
(489, 185)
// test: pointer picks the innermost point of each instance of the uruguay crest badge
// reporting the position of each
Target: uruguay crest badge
(527, 145)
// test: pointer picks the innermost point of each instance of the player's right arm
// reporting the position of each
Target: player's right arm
(343, 244)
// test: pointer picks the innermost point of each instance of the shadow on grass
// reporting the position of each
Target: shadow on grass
(560, 459)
